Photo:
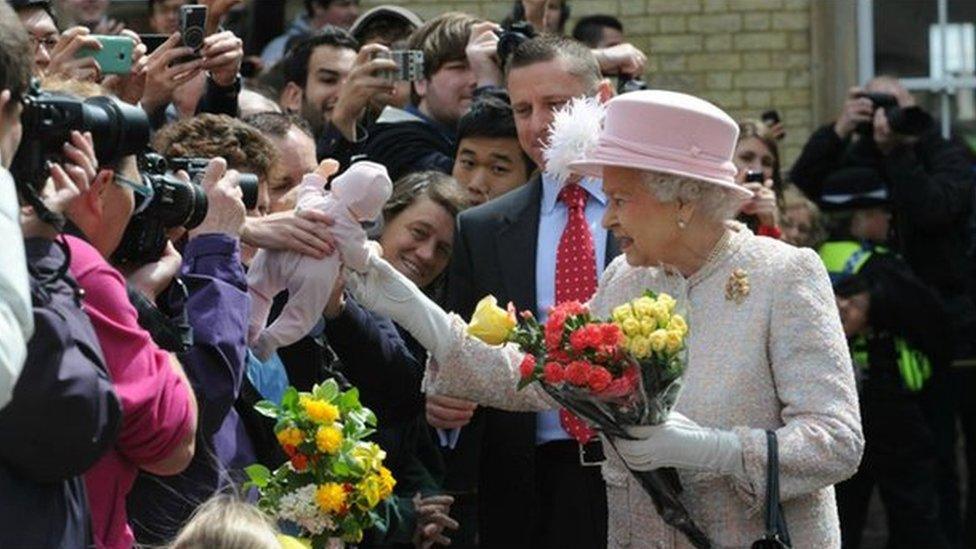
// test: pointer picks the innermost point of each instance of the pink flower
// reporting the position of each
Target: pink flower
(527, 367)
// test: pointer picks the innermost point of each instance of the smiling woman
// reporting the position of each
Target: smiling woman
(418, 233)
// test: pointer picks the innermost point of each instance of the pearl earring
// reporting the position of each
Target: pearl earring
(682, 224)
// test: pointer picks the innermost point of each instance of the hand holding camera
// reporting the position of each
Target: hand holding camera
(366, 81)
(165, 73)
(225, 207)
(482, 53)
(857, 110)
(222, 56)
(152, 278)
(67, 183)
(763, 204)
(622, 59)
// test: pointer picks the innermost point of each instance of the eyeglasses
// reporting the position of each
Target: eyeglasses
(48, 41)
(143, 193)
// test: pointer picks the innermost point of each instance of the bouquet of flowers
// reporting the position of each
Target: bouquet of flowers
(616, 373)
(334, 477)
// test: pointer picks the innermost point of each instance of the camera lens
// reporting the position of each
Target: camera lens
(118, 129)
(249, 190)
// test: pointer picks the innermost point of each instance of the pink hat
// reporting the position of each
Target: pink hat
(669, 132)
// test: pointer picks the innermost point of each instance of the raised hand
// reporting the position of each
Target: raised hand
(225, 209)
(163, 75)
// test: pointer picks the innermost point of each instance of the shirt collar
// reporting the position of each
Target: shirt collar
(551, 188)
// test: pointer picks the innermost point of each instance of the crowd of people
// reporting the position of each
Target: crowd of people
(136, 201)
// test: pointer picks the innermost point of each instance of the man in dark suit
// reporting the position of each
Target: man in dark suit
(538, 486)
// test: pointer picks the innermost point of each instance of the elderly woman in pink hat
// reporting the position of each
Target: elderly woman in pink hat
(766, 348)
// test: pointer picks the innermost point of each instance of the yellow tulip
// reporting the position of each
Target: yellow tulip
(640, 347)
(667, 301)
(631, 327)
(675, 341)
(622, 313)
(678, 324)
(490, 323)
(659, 340)
(644, 306)
(648, 325)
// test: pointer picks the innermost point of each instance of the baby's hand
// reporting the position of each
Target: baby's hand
(327, 168)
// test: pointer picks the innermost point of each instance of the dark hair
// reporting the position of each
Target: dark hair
(589, 29)
(15, 55)
(544, 48)
(442, 40)
(152, 4)
(297, 58)
(392, 29)
(437, 186)
(491, 116)
(324, 4)
(277, 125)
(518, 14)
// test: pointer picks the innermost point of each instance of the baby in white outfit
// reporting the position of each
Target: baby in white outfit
(357, 196)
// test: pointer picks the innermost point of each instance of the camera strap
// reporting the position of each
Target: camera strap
(172, 333)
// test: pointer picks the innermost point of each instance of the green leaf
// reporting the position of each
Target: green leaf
(267, 408)
(349, 400)
(327, 391)
(650, 293)
(258, 474)
(289, 400)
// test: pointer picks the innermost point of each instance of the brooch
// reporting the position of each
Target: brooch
(737, 288)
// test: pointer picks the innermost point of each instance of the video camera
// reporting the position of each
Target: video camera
(911, 121)
(48, 118)
(170, 202)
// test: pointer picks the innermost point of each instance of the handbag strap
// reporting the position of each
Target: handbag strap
(775, 520)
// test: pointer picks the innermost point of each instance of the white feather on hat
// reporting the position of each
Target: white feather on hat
(573, 135)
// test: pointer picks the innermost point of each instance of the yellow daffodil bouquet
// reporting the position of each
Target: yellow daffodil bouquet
(334, 478)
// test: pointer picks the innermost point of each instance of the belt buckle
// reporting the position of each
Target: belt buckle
(583, 454)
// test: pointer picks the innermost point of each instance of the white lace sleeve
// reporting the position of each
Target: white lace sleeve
(486, 374)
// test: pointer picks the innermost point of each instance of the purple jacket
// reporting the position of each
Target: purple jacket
(63, 415)
(218, 309)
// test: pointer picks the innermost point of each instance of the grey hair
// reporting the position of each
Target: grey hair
(715, 203)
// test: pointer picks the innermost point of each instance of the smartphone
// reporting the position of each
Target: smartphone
(115, 57)
(153, 41)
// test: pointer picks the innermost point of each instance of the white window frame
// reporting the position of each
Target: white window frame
(944, 87)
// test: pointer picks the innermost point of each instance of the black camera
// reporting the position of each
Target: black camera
(912, 121)
(511, 37)
(627, 84)
(118, 130)
(170, 202)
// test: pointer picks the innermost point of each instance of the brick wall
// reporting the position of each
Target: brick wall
(744, 55)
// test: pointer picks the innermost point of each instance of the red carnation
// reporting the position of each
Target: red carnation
(299, 462)
(553, 372)
(577, 373)
(579, 340)
(558, 355)
(611, 334)
(599, 378)
(570, 308)
(347, 488)
(289, 449)
(527, 367)
(594, 335)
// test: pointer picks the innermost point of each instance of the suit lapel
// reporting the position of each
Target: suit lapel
(516, 244)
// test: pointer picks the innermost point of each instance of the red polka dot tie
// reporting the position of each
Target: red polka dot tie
(575, 277)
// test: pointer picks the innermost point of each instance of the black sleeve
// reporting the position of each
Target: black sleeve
(931, 184)
(461, 293)
(218, 99)
(379, 362)
(821, 155)
(403, 149)
(64, 413)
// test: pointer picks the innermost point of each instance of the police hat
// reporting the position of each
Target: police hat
(853, 188)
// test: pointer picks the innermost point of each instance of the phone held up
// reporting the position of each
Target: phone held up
(115, 55)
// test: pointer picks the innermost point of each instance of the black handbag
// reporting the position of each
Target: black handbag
(777, 536)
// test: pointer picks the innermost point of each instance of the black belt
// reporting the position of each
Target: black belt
(569, 451)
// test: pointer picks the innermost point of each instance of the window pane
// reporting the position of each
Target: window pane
(901, 36)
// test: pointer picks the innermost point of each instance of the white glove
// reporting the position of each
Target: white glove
(383, 290)
(683, 444)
